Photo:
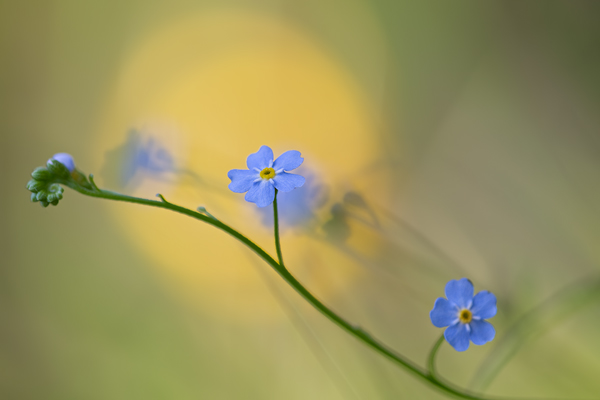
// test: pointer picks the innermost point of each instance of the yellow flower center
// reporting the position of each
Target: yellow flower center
(267, 173)
(465, 316)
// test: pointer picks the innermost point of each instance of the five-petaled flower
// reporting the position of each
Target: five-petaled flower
(264, 175)
(464, 315)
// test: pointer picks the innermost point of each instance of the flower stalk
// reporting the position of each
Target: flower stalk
(276, 229)
(57, 174)
(354, 330)
(431, 358)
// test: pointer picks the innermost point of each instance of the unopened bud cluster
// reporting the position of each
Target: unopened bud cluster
(45, 183)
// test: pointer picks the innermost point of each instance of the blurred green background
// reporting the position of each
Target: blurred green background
(442, 139)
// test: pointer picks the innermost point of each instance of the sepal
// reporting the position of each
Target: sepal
(57, 169)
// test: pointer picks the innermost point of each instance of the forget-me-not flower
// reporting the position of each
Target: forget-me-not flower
(464, 314)
(264, 175)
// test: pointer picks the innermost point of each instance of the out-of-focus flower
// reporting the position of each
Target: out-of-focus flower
(264, 175)
(137, 157)
(65, 159)
(464, 315)
(297, 208)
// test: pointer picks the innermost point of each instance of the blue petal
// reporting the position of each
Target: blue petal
(285, 182)
(458, 336)
(288, 161)
(262, 193)
(484, 305)
(460, 292)
(443, 313)
(261, 159)
(482, 332)
(241, 180)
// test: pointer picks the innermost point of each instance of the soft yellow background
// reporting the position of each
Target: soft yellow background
(222, 83)
(469, 128)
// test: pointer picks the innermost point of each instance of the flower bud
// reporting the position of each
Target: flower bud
(41, 174)
(65, 159)
(35, 185)
(46, 183)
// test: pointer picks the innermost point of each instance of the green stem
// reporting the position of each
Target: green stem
(276, 227)
(431, 358)
(353, 330)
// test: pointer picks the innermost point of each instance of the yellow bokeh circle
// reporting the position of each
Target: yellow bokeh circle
(213, 89)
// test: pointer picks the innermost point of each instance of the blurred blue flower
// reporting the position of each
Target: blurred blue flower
(264, 175)
(297, 208)
(65, 159)
(148, 157)
(137, 157)
(464, 315)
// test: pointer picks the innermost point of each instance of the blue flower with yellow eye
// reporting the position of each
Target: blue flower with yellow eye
(264, 175)
(464, 315)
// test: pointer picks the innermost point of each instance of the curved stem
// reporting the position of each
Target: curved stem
(354, 330)
(431, 358)
(276, 227)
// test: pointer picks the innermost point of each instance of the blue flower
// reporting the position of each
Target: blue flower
(264, 175)
(65, 159)
(464, 315)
